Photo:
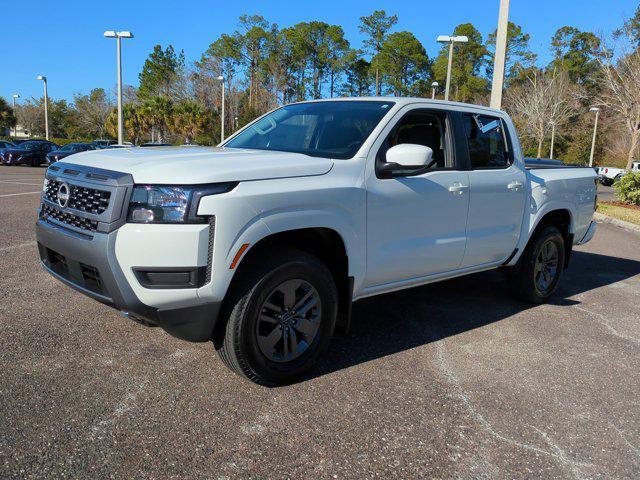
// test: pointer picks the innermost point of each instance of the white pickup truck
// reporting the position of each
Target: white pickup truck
(262, 244)
(609, 175)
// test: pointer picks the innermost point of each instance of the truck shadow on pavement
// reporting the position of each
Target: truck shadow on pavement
(402, 320)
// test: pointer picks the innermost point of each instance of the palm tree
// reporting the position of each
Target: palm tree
(157, 113)
(7, 115)
(134, 121)
(190, 119)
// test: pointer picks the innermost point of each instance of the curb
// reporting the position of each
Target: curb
(602, 218)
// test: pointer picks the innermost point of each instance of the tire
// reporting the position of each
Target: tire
(527, 280)
(607, 182)
(248, 346)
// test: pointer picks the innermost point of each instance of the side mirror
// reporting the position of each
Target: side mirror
(410, 156)
(405, 160)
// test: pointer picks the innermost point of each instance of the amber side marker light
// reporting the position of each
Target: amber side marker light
(238, 256)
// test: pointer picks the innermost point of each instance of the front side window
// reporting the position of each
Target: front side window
(485, 141)
(335, 129)
(422, 127)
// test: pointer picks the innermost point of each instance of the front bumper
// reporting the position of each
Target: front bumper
(88, 264)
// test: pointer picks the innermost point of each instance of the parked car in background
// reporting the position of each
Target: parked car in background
(104, 143)
(262, 245)
(32, 153)
(4, 145)
(153, 144)
(610, 175)
(68, 149)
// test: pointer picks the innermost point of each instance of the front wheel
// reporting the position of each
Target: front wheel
(536, 276)
(280, 315)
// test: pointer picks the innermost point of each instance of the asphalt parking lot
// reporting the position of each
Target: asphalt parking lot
(454, 380)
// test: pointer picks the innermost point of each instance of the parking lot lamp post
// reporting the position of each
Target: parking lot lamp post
(221, 78)
(15, 127)
(118, 36)
(235, 123)
(46, 106)
(553, 137)
(450, 40)
(434, 85)
(595, 131)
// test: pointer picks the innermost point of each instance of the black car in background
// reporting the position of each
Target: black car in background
(4, 145)
(32, 153)
(68, 149)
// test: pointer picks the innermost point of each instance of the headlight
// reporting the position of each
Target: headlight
(165, 204)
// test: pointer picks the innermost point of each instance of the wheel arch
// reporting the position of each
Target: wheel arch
(562, 219)
(325, 243)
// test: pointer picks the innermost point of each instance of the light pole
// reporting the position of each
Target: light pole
(450, 40)
(46, 106)
(118, 36)
(434, 85)
(595, 130)
(501, 54)
(553, 137)
(15, 128)
(221, 78)
(235, 121)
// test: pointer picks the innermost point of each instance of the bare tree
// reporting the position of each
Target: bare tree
(544, 99)
(31, 117)
(621, 95)
(92, 111)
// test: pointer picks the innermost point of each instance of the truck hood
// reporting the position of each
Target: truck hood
(193, 165)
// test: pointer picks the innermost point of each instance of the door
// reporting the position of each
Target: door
(416, 221)
(497, 191)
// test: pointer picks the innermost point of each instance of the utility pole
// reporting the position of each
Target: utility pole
(434, 85)
(118, 36)
(15, 127)
(450, 39)
(46, 106)
(221, 78)
(595, 131)
(500, 57)
(553, 138)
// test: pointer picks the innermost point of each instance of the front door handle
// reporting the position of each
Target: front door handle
(458, 188)
(515, 185)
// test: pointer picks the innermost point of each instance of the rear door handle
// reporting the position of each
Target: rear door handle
(514, 185)
(458, 188)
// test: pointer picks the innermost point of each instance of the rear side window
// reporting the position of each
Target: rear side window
(485, 141)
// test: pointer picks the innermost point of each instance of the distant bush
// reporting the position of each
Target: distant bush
(628, 188)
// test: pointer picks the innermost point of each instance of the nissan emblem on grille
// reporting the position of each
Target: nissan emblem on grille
(63, 195)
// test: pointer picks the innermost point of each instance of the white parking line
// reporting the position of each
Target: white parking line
(23, 193)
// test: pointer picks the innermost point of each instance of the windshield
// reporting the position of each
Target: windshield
(335, 129)
(70, 147)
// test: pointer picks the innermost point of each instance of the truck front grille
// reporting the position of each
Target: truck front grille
(85, 199)
(69, 218)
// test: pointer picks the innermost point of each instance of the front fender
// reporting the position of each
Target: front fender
(243, 217)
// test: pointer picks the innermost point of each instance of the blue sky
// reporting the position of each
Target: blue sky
(62, 39)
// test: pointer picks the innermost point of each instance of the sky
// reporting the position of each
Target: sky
(63, 39)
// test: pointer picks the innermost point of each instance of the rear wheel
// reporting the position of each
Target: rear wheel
(280, 315)
(536, 276)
